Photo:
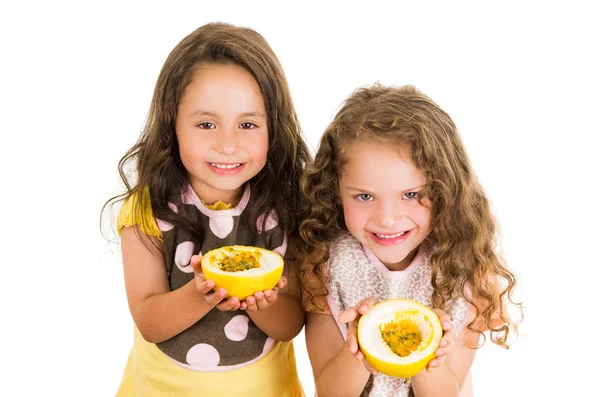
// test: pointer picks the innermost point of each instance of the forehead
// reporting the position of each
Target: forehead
(380, 166)
(223, 84)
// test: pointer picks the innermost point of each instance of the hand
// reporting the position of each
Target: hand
(351, 316)
(205, 288)
(262, 300)
(450, 334)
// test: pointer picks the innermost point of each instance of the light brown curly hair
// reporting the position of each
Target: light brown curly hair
(155, 159)
(462, 248)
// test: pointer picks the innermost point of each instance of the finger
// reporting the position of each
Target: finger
(243, 305)
(348, 315)
(448, 338)
(200, 276)
(369, 368)
(353, 313)
(282, 282)
(251, 304)
(445, 319)
(195, 261)
(261, 301)
(204, 287)
(232, 303)
(367, 305)
(271, 296)
(214, 298)
(432, 365)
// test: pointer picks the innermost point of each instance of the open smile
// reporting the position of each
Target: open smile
(226, 169)
(390, 238)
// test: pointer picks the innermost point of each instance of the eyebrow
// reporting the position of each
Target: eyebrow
(412, 189)
(212, 114)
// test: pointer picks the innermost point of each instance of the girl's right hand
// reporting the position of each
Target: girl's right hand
(205, 288)
(351, 317)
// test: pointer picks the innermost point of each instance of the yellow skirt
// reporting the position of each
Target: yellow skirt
(150, 373)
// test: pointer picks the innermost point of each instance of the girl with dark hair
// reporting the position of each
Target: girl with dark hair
(218, 163)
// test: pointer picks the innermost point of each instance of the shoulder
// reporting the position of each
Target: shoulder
(343, 244)
(137, 211)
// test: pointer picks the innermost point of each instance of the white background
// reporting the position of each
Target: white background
(519, 79)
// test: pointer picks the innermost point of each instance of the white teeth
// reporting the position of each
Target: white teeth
(389, 236)
(225, 166)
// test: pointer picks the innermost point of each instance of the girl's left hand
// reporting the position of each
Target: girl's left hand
(450, 334)
(262, 300)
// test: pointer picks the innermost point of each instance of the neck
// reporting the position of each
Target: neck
(210, 197)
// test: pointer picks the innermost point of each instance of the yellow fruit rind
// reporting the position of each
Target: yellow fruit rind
(408, 369)
(242, 284)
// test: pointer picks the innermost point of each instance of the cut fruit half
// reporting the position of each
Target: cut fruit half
(398, 337)
(242, 270)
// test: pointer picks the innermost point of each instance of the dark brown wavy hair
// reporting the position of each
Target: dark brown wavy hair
(155, 157)
(462, 243)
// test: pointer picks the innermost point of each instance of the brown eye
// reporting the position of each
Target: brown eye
(206, 126)
(247, 126)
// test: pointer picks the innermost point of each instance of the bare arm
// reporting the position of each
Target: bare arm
(336, 370)
(159, 313)
(448, 379)
(284, 318)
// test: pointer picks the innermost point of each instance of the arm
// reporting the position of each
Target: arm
(336, 370)
(278, 312)
(159, 313)
(450, 375)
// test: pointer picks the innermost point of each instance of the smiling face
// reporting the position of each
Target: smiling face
(379, 189)
(222, 131)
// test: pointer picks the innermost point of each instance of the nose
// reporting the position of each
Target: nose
(388, 214)
(227, 143)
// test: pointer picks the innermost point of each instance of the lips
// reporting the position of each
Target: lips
(225, 166)
(226, 169)
(389, 235)
(390, 238)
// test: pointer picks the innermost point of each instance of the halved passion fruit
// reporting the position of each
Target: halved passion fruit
(398, 337)
(242, 270)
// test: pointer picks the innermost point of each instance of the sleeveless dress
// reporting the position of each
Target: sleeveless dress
(224, 353)
(355, 273)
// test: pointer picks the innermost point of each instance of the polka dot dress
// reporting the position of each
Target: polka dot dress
(220, 341)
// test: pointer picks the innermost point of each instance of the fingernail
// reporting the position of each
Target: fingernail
(447, 324)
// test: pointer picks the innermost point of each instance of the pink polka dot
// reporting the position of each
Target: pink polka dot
(221, 224)
(282, 248)
(164, 226)
(188, 196)
(237, 328)
(183, 254)
(173, 207)
(203, 355)
(271, 222)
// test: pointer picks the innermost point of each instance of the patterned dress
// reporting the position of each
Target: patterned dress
(355, 274)
(224, 353)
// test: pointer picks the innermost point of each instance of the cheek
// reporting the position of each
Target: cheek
(258, 147)
(423, 218)
(355, 217)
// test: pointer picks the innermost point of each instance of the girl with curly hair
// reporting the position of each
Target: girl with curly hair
(396, 211)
